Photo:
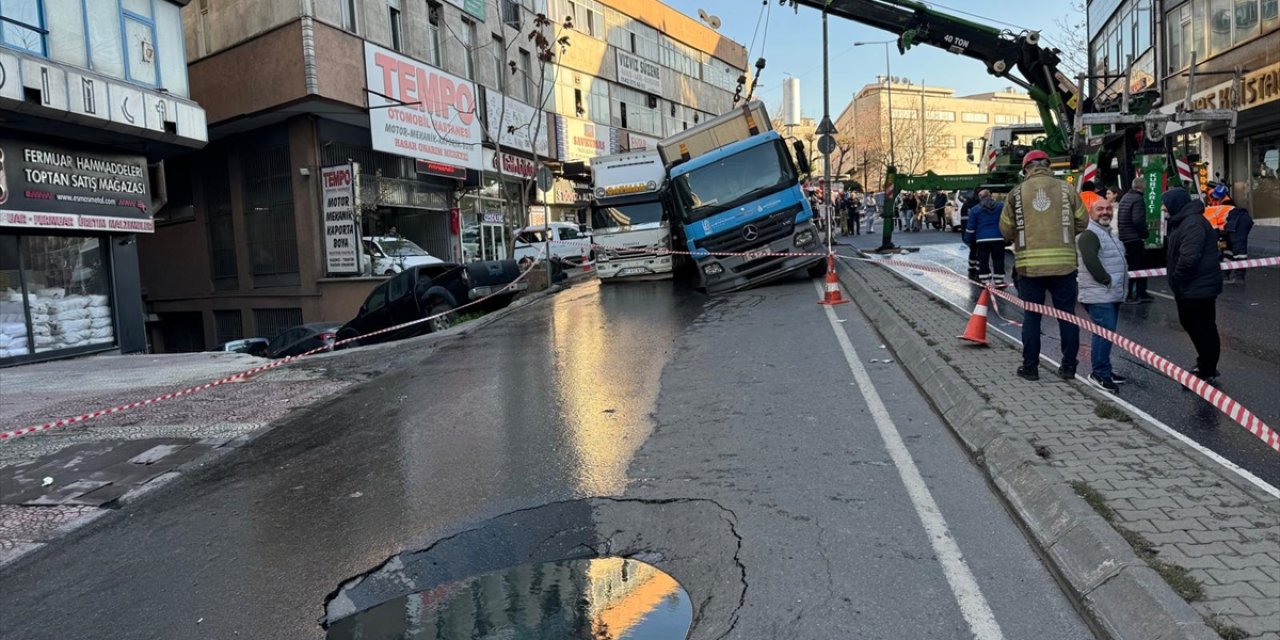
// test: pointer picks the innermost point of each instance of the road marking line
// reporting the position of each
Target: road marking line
(1244, 474)
(1162, 295)
(973, 605)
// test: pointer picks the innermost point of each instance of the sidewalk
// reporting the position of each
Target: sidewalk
(1126, 515)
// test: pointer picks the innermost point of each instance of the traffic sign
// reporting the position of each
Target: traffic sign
(545, 178)
(827, 145)
(825, 127)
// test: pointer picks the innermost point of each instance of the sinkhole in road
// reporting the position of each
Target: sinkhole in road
(604, 598)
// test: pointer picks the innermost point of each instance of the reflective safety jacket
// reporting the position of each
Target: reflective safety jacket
(1042, 218)
(1217, 215)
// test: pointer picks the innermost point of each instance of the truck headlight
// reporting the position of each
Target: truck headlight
(804, 237)
(713, 269)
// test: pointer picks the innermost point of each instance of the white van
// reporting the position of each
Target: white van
(568, 243)
(393, 254)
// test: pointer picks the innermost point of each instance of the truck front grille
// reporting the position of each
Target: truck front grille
(768, 229)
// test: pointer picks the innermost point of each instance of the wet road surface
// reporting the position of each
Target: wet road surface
(1248, 322)
(732, 425)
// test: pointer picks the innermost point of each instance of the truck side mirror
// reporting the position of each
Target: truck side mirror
(802, 158)
(968, 149)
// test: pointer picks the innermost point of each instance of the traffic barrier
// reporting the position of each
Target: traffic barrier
(1211, 394)
(244, 375)
(976, 330)
(831, 296)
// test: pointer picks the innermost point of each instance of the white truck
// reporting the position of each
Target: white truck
(630, 217)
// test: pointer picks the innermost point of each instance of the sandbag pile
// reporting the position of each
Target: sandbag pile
(58, 321)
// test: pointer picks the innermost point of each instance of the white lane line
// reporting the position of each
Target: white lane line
(973, 605)
(1151, 420)
(1162, 295)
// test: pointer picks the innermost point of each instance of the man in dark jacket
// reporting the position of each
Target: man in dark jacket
(965, 210)
(983, 232)
(1131, 227)
(1194, 277)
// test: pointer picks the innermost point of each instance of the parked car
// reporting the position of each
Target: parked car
(426, 290)
(303, 338)
(569, 242)
(393, 254)
(251, 346)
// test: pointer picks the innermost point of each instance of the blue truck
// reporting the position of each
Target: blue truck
(742, 215)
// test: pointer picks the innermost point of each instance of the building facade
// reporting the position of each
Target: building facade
(1233, 47)
(932, 128)
(422, 122)
(93, 98)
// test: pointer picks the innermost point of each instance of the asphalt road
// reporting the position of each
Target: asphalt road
(792, 501)
(1248, 317)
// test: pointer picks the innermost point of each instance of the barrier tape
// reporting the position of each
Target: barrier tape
(1211, 394)
(10, 435)
(1228, 265)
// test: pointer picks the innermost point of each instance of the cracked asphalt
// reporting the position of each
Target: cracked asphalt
(722, 440)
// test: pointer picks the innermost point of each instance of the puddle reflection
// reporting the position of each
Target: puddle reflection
(599, 599)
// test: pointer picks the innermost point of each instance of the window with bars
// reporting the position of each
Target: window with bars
(268, 213)
(228, 325)
(221, 221)
(270, 323)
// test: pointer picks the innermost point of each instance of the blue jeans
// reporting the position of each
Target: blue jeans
(1064, 290)
(1105, 315)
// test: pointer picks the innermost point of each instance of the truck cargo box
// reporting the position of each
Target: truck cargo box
(736, 124)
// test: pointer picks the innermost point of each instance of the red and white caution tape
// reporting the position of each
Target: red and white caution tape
(1214, 396)
(1225, 266)
(10, 435)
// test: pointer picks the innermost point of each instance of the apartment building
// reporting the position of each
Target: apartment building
(931, 128)
(333, 120)
(93, 98)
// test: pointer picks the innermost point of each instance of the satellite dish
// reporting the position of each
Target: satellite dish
(710, 20)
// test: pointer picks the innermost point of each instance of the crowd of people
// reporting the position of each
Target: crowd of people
(1078, 247)
(857, 212)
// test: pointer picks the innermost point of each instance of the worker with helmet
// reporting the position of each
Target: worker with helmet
(1042, 218)
(1233, 224)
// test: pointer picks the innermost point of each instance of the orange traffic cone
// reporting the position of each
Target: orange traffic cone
(832, 295)
(977, 329)
(586, 263)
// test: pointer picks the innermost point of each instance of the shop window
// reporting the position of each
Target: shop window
(15, 338)
(273, 322)
(55, 295)
(22, 25)
(1266, 178)
(269, 216)
(228, 325)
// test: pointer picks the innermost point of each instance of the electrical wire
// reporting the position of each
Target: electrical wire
(1065, 63)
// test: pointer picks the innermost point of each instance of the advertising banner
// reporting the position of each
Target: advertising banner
(516, 125)
(419, 111)
(581, 139)
(341, 237)
(49, 186)
(637, 72)
(510, 165)
(637, 142)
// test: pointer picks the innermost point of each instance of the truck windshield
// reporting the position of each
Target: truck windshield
(626, 215)
(733, 180)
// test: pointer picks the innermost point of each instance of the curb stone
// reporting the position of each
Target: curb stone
(1121, 595)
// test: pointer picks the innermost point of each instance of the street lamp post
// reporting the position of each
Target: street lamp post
(886, 242)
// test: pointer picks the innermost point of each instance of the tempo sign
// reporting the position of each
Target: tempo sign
(419, 111)
(339, 205)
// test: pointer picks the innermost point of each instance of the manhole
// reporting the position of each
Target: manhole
(599, 598)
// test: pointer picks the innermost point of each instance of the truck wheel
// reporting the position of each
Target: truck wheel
(444, 321)
(817, 269)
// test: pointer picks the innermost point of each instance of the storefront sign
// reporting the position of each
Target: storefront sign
(473, 7)
(581, 139)
(637, 72)
(637, 142)
(510, 165)
(341, 237)
(516, 124)
(1256, 88)
(565, 193)
(47, 186)
(491, 217)
(419, 111)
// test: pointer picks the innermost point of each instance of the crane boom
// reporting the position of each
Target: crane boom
(1015, 57)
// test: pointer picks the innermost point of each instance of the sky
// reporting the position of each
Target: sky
(794, 46)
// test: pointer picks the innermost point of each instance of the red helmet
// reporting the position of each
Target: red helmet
(1033, 156)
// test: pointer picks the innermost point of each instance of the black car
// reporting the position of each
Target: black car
(301, 339)
(427, 290)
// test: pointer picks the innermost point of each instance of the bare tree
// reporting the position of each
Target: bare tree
(1074, 37)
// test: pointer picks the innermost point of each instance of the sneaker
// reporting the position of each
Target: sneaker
(1066, 373)
(1118, 379)
(1211, 378)
(1105, 383)
(1029, 373)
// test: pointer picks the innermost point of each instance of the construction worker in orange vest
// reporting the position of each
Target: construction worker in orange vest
(1233, 232)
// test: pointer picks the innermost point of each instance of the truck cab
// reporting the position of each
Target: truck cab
(631, 217)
